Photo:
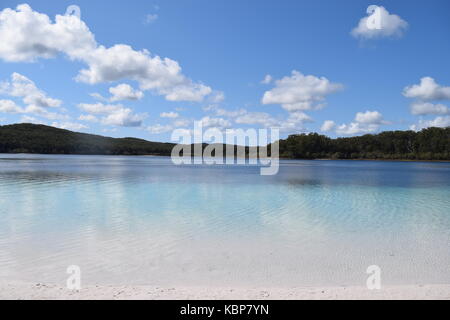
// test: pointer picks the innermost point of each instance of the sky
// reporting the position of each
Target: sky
(145, 68)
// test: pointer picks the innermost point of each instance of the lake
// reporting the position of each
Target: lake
(144, 221)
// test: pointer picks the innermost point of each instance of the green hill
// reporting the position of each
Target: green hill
(31, 138)
(428, 144)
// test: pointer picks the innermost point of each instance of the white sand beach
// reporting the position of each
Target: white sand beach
(21, 291)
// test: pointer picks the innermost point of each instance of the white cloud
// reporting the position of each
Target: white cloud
(116, 115)
(24, 88)
(440, 122)
(267, 79)
(181, 123)
(98, 96)
(356, 128)
(208, 122)
(124, 118)
(367, 122)
(170, 115)
(28, 119)
(176, 124)
(9, 106)
(391, 25)
(425, 108)
(159, 129)
(162, 75)
(328, 126)
(428, 89)
(88, 118)
(151, 17)
(294, 122)
(230, 114)
(369, 117)
(299, 92)
(36, 101)
(260, 118)
(125, 92)
(217, 97)
(45, 113)
(69, 126)
(27, 35)
(99, 108)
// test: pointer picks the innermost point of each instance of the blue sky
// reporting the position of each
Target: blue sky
(321, 76)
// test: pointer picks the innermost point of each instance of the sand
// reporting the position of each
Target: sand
(21, 291)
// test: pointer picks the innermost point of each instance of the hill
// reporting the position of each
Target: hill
(31, 138)
(428, 144)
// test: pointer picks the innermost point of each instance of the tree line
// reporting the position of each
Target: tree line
(428, 144)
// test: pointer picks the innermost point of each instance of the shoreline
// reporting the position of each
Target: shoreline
(168, 156)
(28, 291)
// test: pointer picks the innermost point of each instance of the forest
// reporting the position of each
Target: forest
(31, 138)
(428, 144)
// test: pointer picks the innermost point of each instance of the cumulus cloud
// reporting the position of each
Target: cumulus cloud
(33, 120)
(69, 126)
(228, 119)
(36, 101)
(378, 24)
(229, 113)
(21, 87)
(427, 90)
(88, 118)
(425, 94)
(356, 128)
(27, 35)
(98, 96)
(294, 122)
(170, 115)
(365, 122)
(261, 118)
(267, 79)
(115, 115)
(176, 124)
(299, 92)
(124, 117)
(45, 113)
(162, 75)
(99, 108)
(9, 106)
(369, 117)
(181, 123)
(159, 129)
(209, 122)
(426, 108)
(125, 92)
(439, 122)
(328, 126)
(217, 97)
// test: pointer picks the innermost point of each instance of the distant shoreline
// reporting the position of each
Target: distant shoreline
(168, 156)
(432, 144)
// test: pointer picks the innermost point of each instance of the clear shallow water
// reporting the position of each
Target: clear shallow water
(143, 221)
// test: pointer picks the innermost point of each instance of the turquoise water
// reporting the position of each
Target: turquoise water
(144, 221)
